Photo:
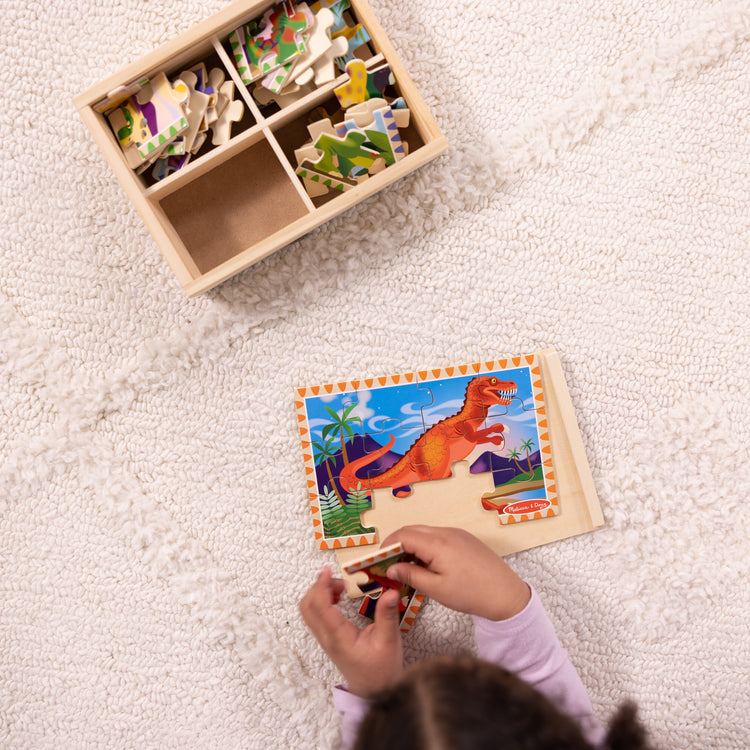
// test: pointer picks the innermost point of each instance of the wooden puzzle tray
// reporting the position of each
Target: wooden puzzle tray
(244, 195)
(493, 448)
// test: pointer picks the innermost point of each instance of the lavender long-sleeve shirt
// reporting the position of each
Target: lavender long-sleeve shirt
(526, 645)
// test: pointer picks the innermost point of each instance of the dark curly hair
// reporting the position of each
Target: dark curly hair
(462, 703)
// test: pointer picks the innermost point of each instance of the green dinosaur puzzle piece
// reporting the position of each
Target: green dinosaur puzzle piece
(345, 155)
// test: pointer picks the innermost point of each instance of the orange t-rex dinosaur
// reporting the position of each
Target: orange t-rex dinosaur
(450, 440)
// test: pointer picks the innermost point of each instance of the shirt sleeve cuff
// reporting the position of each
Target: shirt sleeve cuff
(352, 709)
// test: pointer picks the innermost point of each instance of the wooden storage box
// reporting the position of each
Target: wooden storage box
(238, 202)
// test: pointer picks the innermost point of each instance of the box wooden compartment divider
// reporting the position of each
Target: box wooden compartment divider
(236, 203)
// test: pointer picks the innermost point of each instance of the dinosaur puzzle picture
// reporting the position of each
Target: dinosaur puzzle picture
(395, 431)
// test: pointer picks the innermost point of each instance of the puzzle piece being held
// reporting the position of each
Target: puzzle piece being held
(371, 572)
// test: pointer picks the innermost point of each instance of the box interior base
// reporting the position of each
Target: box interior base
(219, 215)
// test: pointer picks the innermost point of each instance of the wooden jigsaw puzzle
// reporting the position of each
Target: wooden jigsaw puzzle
(492, 447)
(403, 429)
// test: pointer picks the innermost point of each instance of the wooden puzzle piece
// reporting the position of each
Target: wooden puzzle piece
(221, 128)
(196, 109)
(146, 121)
(362, 85)
(118, 95)
(347, 156)
(317, 44)
(216, 78)
(164, 167)
(355, 36)
(324, 67)
(370, 574)
(280, 37)
(308, 171)
(361, 114)
(409, 605)
(381, 133)
(352, 37)
(291, 93)
(238, 40)
(385, 136)
(260, 47)
(320, 127)
(337, 8)
(310, 153)
(201, 78)
(161, 104)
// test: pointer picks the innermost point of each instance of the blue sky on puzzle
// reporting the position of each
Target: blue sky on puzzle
(406, 410)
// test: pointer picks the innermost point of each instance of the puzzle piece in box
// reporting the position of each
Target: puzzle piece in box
(310, 153)
(362, 85)
(347, 156)
(317, 43)
(222, 126)
(197, 107)
(201, 78)
(164, 167)
(355, 36)
(280, 38)
(307, 171)
(118, 95)
(161, 104)
(324, 67)
(130, 128)
(361, 114)
(216, 78)
(276, 39)
(238, 41)
(146, 121)
(290, 94)
(316, 128)
(337, 8)
(383, 134)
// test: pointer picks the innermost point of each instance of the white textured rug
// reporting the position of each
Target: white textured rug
(154, 529)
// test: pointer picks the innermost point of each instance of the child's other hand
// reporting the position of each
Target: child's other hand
(459, 571)
(370, 659)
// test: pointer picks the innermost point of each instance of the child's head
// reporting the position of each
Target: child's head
(461, 703)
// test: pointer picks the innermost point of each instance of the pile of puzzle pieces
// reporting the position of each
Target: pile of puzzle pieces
(294, 47)
(161, 123)
(365, 141)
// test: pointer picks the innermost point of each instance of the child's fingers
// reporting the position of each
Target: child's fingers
(414, 575)
(387, 617)
(417, 540)
(318, 608)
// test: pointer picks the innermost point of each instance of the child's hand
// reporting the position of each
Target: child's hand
(370, 659)
(459, 571)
